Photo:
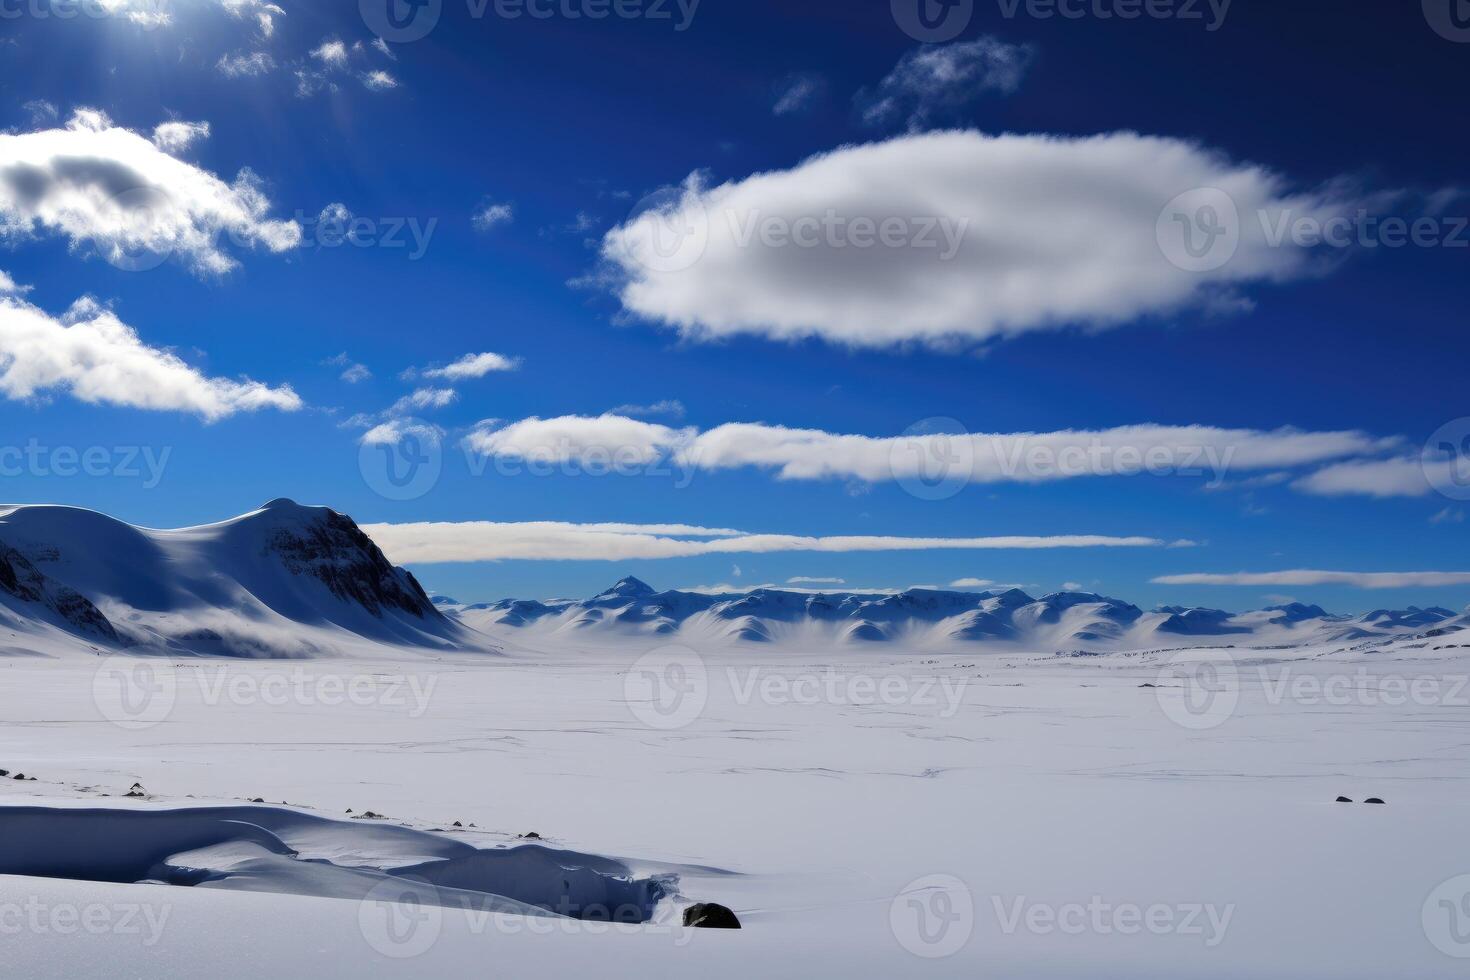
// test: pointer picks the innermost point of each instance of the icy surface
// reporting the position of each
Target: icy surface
(1042, 785)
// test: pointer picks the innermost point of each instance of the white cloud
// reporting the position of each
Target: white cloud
(243, 65)
(332, 53)
(577, 438)
(1027, 457)
(108, 187)
(7, 284)
(1400, 477)
(42, 112)
(937, 81)
(730, 588)
(951, 237)
(393, 431)
(173, 137)
(144, 13)
(262, 12)
(1297, 577)
(796, 93)
(379, 81)
(95, 357)
(970, 583)
(671, 407)
(473, 366)
(489, 214)
(814, 580)
(1023, 457)
(381, 46)
(555, 540)
(424, 398)
(355, 373)
(1449, 515)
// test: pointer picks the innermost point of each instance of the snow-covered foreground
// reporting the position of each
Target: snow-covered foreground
(875, 815)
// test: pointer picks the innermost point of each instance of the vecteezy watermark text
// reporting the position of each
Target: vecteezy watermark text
(140, 692)
(1099, 917)
(336, 227)
(1210, 13)
(404, 21)
(670, 687)
(40, 917)
(121, 462)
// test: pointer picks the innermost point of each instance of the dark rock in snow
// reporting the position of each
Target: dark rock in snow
(1372, 799)
(709, 915)
(1342, 799)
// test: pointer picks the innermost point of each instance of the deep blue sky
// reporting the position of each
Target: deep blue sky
(560, 117)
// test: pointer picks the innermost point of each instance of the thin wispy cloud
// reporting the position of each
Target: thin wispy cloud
(175, 137)
(1019, 457)
(932, 84)
(490, 214)
(473, 366)
(472, 541)
(1302, 577)
(798, 93)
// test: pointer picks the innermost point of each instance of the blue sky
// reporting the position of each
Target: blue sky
(566, 124)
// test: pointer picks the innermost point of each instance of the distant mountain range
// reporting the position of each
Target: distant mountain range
(293, 581)
(932, 618)
(281, 581)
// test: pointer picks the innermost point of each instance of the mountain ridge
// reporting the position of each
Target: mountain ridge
(928, 618)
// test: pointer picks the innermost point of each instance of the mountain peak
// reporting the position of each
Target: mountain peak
(628, 587)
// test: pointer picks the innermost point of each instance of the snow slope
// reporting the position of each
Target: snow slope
(282, 581)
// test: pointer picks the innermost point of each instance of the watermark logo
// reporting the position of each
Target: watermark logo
(1446, 459)
(669, 231)
(667, 688)
(335, 227)
(1450, 19)
(397, 921)
(145, 14)
(38, 917)
(144, 463)
(400, 21)
(401, 460)
(933, 21)
(1446, 917)
(134, 693)
(946, 695)
(1099, 917)
(1210, 13)
(1198, 690)
(1199, 230)
(140, 692)
(933, 916)
(934, 459)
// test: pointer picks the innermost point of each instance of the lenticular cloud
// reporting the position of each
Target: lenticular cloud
(962, 236)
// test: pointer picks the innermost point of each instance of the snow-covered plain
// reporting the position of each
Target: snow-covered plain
(863, 812)
(257, 748)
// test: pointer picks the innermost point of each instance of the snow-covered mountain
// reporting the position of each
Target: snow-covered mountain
(282, 581)
(931, 619)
